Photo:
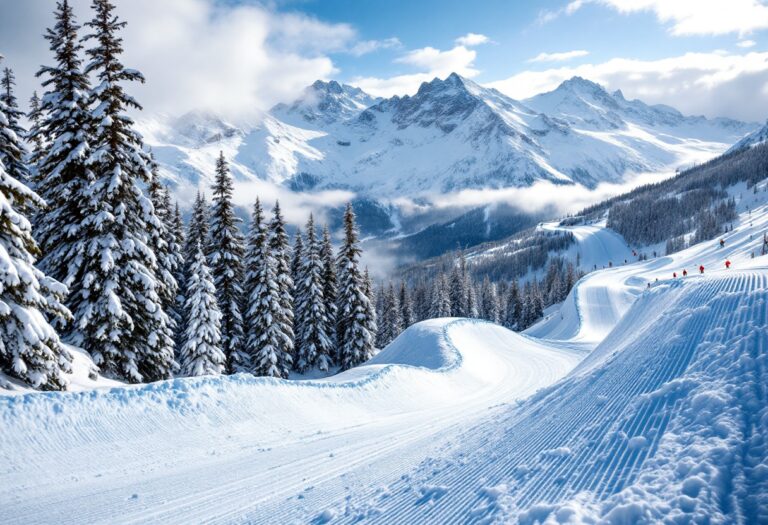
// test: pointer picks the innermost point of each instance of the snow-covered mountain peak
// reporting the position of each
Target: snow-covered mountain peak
(325, 103)
(198, 128)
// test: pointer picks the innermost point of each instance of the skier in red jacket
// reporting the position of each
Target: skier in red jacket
(727, 265)
(685, 273)
(701, 269)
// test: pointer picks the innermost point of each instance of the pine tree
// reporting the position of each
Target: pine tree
(267, 324)
(167, 251)
(298, 256)
(472, 310)
(257, 236)
(314, 345)
(13, 151)
(30, 349)
(458, 292)
(36, 131)
(329, 287)
(514, 307)
(378, 300)
(406, 306)
(392, 322)
(226, 261)
(118, 312)
(489, 301)
(62, 177)
(421, 303)
(371, 317)
(354, 308)
(201, 352)
(440, 302)
(197, 232)
(277, 240)
(177, 232)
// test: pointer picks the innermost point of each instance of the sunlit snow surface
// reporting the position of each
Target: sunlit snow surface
(629, 405)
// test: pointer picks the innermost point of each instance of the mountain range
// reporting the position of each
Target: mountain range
(452, 135)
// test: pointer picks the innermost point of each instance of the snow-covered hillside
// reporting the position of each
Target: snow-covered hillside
(451, 135)
(753, 139)
(651, 407)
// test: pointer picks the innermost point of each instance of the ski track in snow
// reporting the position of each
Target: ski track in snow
(631, 404)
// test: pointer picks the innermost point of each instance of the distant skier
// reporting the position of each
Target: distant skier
(722, 243)
(685, 273)
(727, 265)
(701, 269)
(674, 275)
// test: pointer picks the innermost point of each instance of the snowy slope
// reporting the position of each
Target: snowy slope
(191, 450)
(665, 419)
(451, 135)
(756, 137)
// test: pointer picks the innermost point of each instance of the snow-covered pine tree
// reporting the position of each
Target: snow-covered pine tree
(458, 292)
(378, 300)
(421, 303)
(538, 301)
(472, 302)
(13, 151)
(226, 262)
(440, 300)
(406, 306)
(527, 310)
(277, 239)
(201, 352)
(257, 236)
(268, 329)
(298, 255)
(196, 233)
(371, 317)
(296, 269)
(354, 307)
(167, 251)
(312, 324)
(391, 324)
(329, 287)
(489, 301)
(118, 312)
(514, 307)
(30, 349)
(177, 231)
(62, 178)
(36, 132)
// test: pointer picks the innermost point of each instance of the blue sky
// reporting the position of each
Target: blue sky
(239, 57)
(515, 29)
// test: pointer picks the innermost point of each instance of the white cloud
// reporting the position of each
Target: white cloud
(548, 15)
(195, 54)
(472, 39)
(369, 46)
(686, 17)
(457, 59)
(431, 61)
(713, 84)
(559, 57)
(747, 43)
(541, 196)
